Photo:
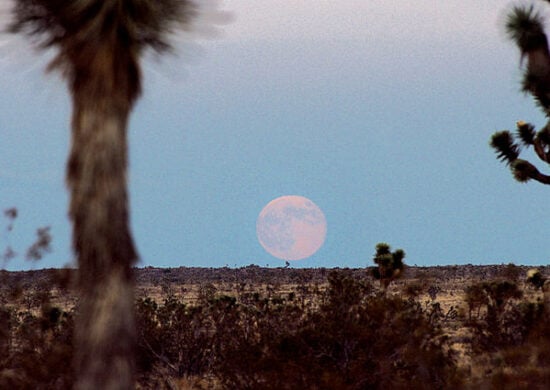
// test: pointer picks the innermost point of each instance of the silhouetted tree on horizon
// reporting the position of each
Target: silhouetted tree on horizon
(525, 26)
(390, 264)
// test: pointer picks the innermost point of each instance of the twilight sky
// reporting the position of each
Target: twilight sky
(380, 112)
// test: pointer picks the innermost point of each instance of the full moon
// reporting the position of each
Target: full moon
(291, 227)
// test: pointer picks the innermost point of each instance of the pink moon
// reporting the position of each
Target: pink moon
(291, 227)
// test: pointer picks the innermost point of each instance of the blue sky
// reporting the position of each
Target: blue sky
(378, 112)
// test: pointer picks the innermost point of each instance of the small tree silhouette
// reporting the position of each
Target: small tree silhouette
(525, 26)
(390, 264)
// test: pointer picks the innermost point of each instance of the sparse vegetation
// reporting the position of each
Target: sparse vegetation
(262, 328)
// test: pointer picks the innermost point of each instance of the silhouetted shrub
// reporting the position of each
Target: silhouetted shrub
(535, 278)
(355, 340)
(476, 297)
(173, 339)
(389, 264)
(433, 291)
(39, 355)
(511, 272)
(506, 321)
(347, 335)
(413, 290)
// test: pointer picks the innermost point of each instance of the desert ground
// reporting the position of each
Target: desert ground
(191, 321)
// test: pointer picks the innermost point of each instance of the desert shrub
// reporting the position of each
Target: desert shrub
(207, 292)
(493, 295)
(511, 272)
(533, 370)
(507, 321)
(355, 340)
(35, 337)
(40, 353)
(475, 298)
(500, 292)
(518, 368)
(244, 348)
(7, 323)
(535, 278)
(413, 290)
(433, 290)
(174, 340)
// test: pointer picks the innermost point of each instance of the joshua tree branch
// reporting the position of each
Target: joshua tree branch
(524, 171)
(539, 150)
(541, 178)
(525, 26)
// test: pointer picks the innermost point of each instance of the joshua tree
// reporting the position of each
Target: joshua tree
(525, 27)
(99, 44)
(390, 264)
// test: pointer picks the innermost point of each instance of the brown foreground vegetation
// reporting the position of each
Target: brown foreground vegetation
(453, 327)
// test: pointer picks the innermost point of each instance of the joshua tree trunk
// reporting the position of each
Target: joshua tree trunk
(104, 84)
(101, 237)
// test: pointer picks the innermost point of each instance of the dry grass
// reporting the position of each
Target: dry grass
(442, 295)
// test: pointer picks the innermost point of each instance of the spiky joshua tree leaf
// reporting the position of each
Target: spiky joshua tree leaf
(526, 132)
(525, 27)
(80, 30)
(505, 147)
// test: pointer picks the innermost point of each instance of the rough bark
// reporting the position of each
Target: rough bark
(104, 84)
(105, 332)
(104, 80)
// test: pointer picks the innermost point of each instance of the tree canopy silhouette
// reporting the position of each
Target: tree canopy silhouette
(390, 264)
(525, 27)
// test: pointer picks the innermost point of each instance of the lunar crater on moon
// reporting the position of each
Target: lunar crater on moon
(291, 227)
